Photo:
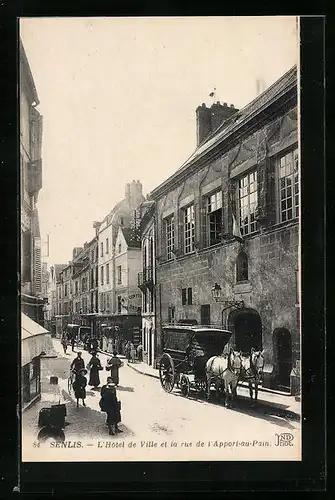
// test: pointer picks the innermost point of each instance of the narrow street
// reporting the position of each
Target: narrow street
(150, 415)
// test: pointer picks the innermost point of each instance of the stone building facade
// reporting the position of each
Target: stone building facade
(147, 283)
(30, 184)
(122, 215)
(228, 220)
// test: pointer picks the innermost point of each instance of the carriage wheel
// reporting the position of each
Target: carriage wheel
(185, 386)
(167, 373)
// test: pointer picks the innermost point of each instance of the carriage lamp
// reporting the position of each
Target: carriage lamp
(216, 294)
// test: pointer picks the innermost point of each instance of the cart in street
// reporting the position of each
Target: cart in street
(186, 350)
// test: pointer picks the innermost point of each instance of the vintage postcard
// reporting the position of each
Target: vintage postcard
(160, 239)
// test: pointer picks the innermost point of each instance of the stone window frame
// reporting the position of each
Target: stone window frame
(247, 179)
(188, 212)
(107, 274)
(206, 200)
(286, 209)
(102, 275)
(242, 267)
(189, 296)
(107, 245)
(170, 235)
(183, 296)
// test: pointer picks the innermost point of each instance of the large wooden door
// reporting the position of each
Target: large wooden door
(248, 331)
(283, 357)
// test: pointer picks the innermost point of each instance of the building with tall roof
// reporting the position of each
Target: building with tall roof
(124, 217)
(35, 339)
(227, 230)
(30, 184)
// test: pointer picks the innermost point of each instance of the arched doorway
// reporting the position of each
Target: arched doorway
(247, 326)
(282, 349)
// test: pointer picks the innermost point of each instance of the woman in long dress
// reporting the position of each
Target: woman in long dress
(113, 365)
(79, 386)
(94, 366)
(110, 405)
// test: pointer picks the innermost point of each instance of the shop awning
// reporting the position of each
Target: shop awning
(35, 340)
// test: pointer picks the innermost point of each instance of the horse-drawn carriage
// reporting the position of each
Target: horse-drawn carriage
(194, 357)
(186, 350)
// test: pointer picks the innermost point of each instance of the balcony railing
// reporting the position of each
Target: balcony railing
(145, 278)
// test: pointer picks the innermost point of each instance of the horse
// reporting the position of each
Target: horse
(252, 371)
(224, 372)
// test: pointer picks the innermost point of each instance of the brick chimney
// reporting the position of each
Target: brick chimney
(209, 119)
(134, 194)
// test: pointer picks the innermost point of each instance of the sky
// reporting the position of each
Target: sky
(118, 98)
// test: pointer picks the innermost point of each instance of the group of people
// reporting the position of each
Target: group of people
(90, 344)
(132, 353)
(108, 402)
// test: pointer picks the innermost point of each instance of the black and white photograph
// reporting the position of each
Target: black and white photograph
(160, 225)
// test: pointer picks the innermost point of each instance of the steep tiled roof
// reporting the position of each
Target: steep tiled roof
(58, 269)
(240, 118)
(132, 237)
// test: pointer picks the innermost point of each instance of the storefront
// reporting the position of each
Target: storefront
(35, 343)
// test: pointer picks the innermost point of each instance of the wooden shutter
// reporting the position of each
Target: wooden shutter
(26, 256)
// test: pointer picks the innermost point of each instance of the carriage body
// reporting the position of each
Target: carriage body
(186, 350)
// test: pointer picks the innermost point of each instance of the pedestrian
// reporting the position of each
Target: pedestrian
(113, 365)
(73, 341)
(64, 342)
(140, 352)
(109, 404)
(79, 386)
(127, 351)
(94, 366)
(77, 364)
(132, 352)
(94, 345)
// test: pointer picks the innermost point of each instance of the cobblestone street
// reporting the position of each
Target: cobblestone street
(150, 415)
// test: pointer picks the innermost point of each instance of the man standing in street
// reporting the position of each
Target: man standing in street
(113, 365)
(64, 341)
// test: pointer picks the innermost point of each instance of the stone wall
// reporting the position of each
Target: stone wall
(271, 289)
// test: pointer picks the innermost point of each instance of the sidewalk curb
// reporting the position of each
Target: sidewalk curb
(121, 356)
(267, 403)
(143, 373)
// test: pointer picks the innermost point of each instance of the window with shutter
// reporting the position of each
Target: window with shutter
(288, 186)
(26, 256)
(213, 218)
(248, 203)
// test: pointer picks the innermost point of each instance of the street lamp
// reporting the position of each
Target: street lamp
(216, 294)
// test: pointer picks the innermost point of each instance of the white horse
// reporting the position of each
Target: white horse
(252, 371)
(224, 372)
